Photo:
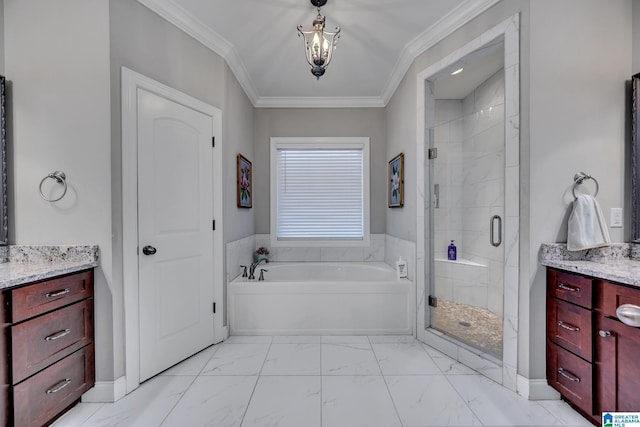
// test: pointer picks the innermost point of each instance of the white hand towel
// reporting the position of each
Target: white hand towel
(587, 227)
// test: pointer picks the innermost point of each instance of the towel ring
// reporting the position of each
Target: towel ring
(60, 178)
(579, 178)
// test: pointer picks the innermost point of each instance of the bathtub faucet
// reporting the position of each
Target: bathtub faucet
(252, 269)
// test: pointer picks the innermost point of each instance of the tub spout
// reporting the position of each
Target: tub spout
(252, 268)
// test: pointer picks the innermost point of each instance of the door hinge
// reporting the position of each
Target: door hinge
(433, 301)
(213, 141)
(433, 153)
(214, 225)
(214, 308)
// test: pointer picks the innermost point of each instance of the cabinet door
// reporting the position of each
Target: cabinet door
(617, 350)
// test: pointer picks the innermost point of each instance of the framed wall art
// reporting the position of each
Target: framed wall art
(396, 181)
(245, 181)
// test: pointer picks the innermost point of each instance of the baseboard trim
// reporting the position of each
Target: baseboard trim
(536, 389)
(106, 391)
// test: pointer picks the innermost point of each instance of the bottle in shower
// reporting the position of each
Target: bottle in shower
(452, 252)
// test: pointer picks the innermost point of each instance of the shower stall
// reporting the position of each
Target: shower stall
(468, 191)
(467, 186)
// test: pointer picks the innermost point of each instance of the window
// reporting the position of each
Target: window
(320, 191)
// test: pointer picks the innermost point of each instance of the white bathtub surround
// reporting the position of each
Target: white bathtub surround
(374, 252)
(395, 248)
(239, 252)
(322, 299)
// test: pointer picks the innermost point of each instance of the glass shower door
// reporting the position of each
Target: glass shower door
(466, 179)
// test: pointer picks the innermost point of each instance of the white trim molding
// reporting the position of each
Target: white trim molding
(106, 391)
(178, 16)
(131, 82)
(449, 23)
(536, 389)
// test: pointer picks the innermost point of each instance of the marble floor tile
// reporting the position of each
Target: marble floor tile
(348, 359)
(447, 365)
(404, 359)
(429, 400)
(383, 339)
(563, 412)
(79, 414)
(292, 359)
(357, 401)
(146, 406)
(495, 405)
(345, 339)
(249, 339)
(296, 339)
(194, 364)
(213, 401)
(237, 359)
(286, 401)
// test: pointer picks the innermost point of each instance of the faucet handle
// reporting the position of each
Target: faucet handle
(262, 270)
(244, 270)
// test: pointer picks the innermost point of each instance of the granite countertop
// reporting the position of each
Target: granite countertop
(24, 264)
(618, 262)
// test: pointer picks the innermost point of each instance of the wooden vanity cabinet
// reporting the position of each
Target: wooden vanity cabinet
(617, 350)
(47, 342)
(569, 337)
(592, 357)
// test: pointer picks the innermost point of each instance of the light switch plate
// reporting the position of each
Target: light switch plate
(615, 219)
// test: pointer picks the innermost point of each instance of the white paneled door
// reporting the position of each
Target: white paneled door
(175, 233)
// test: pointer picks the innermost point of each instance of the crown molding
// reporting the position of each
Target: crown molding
(186, 22)
(449, 23)
(320, 102)
(455, 19)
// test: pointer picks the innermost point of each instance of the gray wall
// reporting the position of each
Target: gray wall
(636, 36)
(320, 122)
(572, 119)
(57, 57)
(2, 37)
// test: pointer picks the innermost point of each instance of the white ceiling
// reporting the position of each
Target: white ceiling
(259, 40)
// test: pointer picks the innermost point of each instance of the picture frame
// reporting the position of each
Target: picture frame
(244, 180)
(396, 181)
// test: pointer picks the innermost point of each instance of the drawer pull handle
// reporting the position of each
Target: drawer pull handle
(604, 334)
(629, 314)
(569, 376)
(568, 288)
(57, 335)
(57, 293)
(62, 384)
(568, 327)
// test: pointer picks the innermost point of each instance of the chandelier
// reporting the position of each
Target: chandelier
(319, 44)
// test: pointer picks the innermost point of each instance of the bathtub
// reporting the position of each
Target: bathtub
(324, 298)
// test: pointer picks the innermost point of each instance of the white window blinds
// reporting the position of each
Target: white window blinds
(320, 193)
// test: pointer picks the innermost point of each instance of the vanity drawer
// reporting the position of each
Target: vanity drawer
(570, 287)
(32, 300)
(571, 376)
(49, 392)
(38, 342)
(612, 296)
(570, 326)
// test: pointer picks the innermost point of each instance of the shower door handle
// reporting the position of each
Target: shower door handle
(492, 228)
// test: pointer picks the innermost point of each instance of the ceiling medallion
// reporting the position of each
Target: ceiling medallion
(319, 44)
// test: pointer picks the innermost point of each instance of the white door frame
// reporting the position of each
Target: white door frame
(131, 82)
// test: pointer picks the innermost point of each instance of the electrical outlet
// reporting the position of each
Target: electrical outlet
(615, 219)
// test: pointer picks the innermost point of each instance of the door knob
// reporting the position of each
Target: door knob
(148, 250)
